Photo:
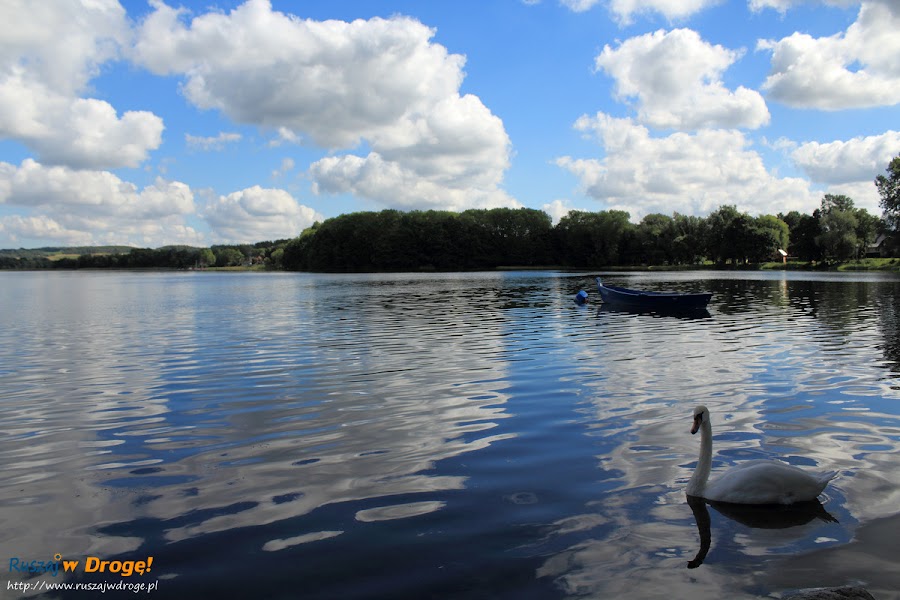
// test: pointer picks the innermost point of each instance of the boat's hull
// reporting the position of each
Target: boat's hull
(652, 300)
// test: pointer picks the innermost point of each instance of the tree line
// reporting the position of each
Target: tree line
(476, 239)
(267, 254)
(392, 240)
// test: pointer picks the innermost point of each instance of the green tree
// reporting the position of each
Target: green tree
(838, 238)
(832, 202)
(889, 190)
(867, 227)
(741, 239)
(840, 227)
(687, 245)
(276, 259)
(803, 230)
(206, 258)
(297, 251)
(228, 257)
(770, 234)
(591, 239)
(656, 236)
(719, 246)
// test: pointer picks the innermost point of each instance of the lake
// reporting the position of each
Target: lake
(475, 435)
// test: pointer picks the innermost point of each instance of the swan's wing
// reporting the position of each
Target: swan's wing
(766, 482)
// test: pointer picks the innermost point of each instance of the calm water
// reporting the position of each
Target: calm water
(432, 436)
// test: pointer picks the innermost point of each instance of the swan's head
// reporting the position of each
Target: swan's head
(701, 416)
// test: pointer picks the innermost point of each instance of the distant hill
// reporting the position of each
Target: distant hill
(57, 252)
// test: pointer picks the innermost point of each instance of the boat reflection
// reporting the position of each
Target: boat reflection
(752, 515)
(693, 314)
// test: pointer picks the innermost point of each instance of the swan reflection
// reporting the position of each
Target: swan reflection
(752, 515)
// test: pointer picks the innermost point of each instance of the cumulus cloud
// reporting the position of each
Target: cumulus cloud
(579, 5)
(215, 142)
(783, 5)
(284, 136)
(287, 165)
(69, 204)
(864, 194)
(841, 162)
(42, 227)
(676, 78)
(381, 82)
(100, 192)
(394, 185)
(61, 43)
(48, 54)
(557, 209)
(687, 173)
(258, 213)
(857, 68)
(625, 10)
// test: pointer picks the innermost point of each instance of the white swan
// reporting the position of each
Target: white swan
(751, 482)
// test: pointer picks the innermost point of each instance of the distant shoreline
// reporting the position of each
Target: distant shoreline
(868, 264)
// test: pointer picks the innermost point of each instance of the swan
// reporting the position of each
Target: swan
(751, 482)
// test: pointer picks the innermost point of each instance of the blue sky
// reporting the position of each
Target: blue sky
(147, 123)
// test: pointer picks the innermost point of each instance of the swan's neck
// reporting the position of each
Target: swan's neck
(697, 484)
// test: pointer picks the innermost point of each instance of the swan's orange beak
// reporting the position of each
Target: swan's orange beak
(696, 426)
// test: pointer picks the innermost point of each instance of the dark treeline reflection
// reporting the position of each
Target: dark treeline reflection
(842, 307)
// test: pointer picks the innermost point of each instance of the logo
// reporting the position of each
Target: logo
(91, 564)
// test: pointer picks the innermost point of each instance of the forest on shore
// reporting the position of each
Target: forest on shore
(483, 239)
(392, 240)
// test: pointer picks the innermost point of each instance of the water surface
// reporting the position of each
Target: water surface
(449, 435)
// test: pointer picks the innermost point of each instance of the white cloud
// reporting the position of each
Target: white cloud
(840, 162)
(61, 43)
(256, 213)
(783, 5)
(673, 10)
(857, 68)
(579, 5)
(78, 132)
(285, 136)
(216, 142)
(864, 194)
(625, 10)
(73, 204)
(557, 209)
(676, 78)
(99, 192)
(338, 84)
(392, 184)
(688, 173)
(287, 165)
(48, 53)
(42, 227)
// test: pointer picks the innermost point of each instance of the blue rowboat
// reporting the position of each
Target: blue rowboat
(652, 300)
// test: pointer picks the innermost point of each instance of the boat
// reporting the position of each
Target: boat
(620, 296)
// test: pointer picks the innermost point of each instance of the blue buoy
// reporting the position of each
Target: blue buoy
(581, 297)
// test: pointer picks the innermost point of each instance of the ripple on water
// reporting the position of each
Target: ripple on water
(434, 431)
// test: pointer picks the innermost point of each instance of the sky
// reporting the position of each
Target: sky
(154, 123)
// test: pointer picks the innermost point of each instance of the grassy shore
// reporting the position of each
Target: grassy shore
(864, 264)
